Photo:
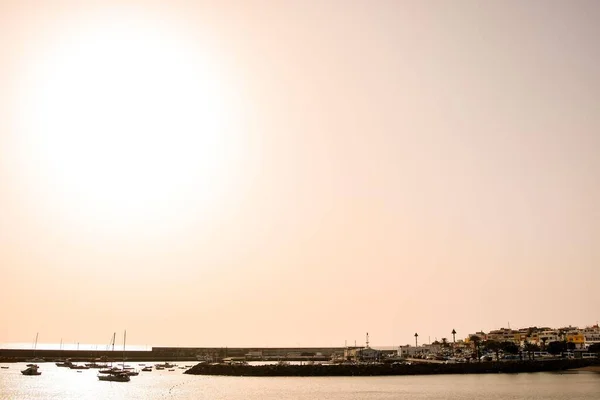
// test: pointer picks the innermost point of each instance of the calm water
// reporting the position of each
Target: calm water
(63, 383)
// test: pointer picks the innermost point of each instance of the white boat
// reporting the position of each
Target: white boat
(32, 369)
(147, 369)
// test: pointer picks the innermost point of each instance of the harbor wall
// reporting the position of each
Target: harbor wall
(175, 354)
(388, 369)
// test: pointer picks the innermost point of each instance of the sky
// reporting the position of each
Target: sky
(297, 173)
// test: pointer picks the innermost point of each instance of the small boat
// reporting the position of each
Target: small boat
(113, 370)
(130, 372)
(95, 365)
(66, 363)
(32, 369)
(171, 370)
(145, 369)
(159, 368)
(35, 359)
(115, 378)
(166, 365)
(79, 371)
(76, 366)
(4, 367)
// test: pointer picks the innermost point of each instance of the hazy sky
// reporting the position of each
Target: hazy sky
(275, 173)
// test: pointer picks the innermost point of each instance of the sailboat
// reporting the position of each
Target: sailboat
(32, 369)
(35, 359)
(115, 375)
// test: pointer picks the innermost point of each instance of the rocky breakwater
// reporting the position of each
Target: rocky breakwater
(386, 369)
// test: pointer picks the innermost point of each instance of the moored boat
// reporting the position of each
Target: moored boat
(115, 378)
(165, 365)
(31, 369)
(66, 363)
(79, 366)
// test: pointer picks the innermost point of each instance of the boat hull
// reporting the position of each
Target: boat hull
(114, 378)
(31, 372)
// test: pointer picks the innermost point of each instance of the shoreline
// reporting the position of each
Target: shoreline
(589, 368)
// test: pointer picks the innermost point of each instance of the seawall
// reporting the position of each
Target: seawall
(383, 369)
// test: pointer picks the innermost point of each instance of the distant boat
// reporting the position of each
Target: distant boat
(145, 369)
(35, 359)
(4, 367)
(115, 377)
(32, 369)
(93, 364)
(76, 366)
(66, 363)
(165, 365)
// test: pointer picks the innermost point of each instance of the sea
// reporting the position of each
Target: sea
(67, 384)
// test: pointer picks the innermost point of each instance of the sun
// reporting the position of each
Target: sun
(126, 119)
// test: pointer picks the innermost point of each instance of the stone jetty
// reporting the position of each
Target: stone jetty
(387, 369)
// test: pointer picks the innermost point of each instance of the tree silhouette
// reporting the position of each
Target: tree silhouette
(476, 341)
(494, 346)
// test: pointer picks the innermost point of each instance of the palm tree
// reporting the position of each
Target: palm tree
(476, 340)
(444, 342)
(416, 342)
(453, 336)
(530, 348)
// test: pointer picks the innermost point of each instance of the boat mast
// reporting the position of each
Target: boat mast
(124, 338)
(113, 347)
(35, 344)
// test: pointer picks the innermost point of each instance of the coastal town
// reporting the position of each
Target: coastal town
(510, 344)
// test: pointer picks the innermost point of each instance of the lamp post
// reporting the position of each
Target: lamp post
(416, 342)
(453, 341)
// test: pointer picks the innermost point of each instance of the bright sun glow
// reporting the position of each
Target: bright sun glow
(128, 121)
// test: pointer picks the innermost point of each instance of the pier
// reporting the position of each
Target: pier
(388, 369)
